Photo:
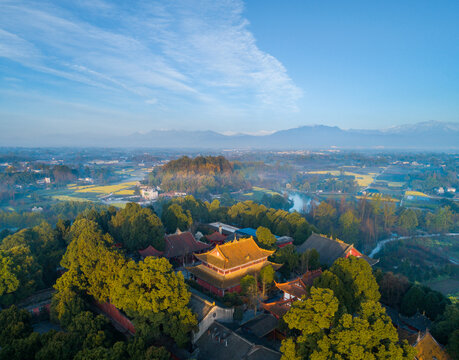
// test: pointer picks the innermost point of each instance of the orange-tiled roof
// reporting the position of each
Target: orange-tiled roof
(234, 253)
(428, 348)
(298, 286)
(295, 287)
(229, 280)
(150, 251)
(216, 237)
(277, 308)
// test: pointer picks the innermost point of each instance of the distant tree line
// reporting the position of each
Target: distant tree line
(187, 212)
(366, 221)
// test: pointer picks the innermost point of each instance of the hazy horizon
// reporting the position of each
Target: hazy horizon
(232, 66)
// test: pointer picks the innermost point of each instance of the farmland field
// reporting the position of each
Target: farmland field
(448, 287)
(363, 180)
(68, 198)
(415, 193)
(105, 189)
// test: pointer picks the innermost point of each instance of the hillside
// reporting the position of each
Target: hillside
(201, 175)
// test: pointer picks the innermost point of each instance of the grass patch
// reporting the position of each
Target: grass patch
(69, 198)
(415, 193)
(105, 189)
(118, 205)
(267, 191)
(448, 287)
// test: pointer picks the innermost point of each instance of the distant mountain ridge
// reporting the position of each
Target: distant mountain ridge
(432, 135)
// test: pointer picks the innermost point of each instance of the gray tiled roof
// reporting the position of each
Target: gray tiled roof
(219, 342)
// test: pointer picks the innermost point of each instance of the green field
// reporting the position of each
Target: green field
(448, 286)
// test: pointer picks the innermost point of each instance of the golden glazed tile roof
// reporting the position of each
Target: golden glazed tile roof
(428, 348)
(229, 280)
(234, 254)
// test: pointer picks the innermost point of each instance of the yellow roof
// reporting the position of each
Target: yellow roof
(234, 253)
(428, 348)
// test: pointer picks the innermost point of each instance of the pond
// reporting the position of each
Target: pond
(301, 202)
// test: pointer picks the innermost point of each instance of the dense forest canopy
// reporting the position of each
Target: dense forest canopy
(202, 175)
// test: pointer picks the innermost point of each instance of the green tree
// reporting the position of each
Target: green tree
(265, 237)
(440, 221)
(156, 297)
(408, 221)
(413, 301)
(325, 215)
(310, 319)
(15, 325)
(446, 324)
(8, 279)
(358, 280)
(20, 274)
(267, 277)
(368, 336)
(329, 280)
(287, 256)
(313, 315)
(309, 260)
(137, 228)
(67, 301)
(249, 288)
(453, 344)
(91, 258)
(349, 224)
(174, 217)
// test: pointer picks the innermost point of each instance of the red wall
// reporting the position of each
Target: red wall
(116, 315)
(354, 252)
(215, 290)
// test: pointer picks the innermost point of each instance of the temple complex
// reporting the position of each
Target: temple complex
(293, 290)
(331, 249)
(223, 267)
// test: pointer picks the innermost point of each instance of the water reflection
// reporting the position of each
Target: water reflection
(301, 202)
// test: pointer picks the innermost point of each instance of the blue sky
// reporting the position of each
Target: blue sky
(230, 66)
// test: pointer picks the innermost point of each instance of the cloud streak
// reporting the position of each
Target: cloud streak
(160, 53)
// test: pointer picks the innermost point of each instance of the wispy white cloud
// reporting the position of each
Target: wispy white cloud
(161, 52)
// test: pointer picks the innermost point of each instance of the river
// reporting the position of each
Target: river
(301, 202)
(381, 243)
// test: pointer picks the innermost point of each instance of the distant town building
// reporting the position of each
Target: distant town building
(43, 181)
(148, 193)
(451, 189)
(331, 249)
(440, 191)
(223, 267)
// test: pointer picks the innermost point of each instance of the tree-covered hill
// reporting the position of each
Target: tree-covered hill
(201, 175)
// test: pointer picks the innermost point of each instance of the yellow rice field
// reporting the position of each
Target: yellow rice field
(384, 198)
(415, 193)
(69, 198)
(362, 179)
(105, 189)
(125, 192)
